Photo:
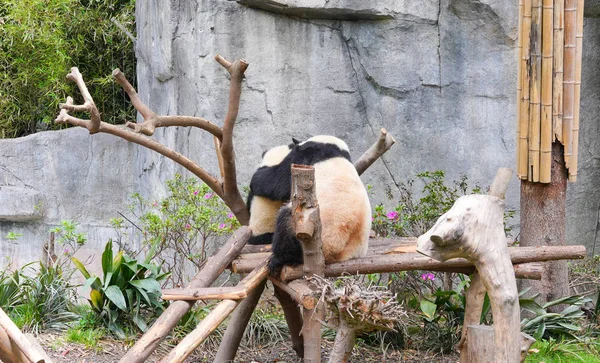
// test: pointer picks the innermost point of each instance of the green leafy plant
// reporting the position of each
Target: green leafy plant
(128, 293)
(547, 325)
(10, 288)
(181, 227)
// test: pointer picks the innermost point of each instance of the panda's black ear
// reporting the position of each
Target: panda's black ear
(295, 141)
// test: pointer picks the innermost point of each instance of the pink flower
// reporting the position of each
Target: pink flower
(196, 192)
(392, 215)
(222, 225)
(229, 215)
(187, 226)
(155, 204)
(208, 195)
(372, 218)
(428, 276)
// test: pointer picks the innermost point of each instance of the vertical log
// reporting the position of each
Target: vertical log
(480, 351)
(543, 221)
(525, 71)
(546, 122)
(535, 91)
(237, 326)
(307, 224)
(293, 318)
(344, 342)
(204, 278)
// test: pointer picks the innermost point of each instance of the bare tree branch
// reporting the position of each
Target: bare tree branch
(383, 144)
(152, 120)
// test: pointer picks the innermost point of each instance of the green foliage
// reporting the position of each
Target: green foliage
(546, 325)
(180, 227)
(266, 327)
(41, 39)
(44, 301)
(127, 295)
(11, 236)
(10, 285)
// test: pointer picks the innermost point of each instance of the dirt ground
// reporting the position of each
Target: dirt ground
(111, 351)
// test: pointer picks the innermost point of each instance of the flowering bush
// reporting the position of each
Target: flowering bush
(412, 216)
(181, 227)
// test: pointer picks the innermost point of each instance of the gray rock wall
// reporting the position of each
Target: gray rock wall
(440, 75)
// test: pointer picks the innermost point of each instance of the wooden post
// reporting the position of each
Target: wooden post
(204, 278)
(543, 222)
(473, 228)
(9, 352)
(479, 349)
(476, 291)
(307, 224)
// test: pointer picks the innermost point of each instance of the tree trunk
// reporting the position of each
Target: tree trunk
(543, 223)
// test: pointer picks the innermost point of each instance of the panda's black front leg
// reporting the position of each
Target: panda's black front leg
(272, 182)
(287, 250)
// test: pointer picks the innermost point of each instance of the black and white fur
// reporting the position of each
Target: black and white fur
(263, 210)
(345, 210)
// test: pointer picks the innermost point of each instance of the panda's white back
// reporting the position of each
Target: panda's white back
(345, 210)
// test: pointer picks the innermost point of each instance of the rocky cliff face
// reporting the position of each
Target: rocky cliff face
(440, 75)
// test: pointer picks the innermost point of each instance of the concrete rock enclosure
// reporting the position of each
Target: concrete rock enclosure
(439, 75)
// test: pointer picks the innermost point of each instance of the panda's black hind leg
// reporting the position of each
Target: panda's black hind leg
(287, 250)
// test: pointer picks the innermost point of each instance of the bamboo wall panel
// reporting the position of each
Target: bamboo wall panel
(548, 85)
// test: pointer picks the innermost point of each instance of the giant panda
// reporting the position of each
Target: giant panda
(344, 205)
(263, 210)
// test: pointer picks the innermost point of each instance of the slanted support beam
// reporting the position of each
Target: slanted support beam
(204, 278)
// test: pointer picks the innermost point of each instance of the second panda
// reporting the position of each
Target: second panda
(344, 205)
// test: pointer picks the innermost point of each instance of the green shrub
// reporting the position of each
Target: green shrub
(181, 227)
(40, 40)
(547, 325)
(44, 300)
(128, 294)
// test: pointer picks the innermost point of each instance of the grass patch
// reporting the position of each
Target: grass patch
(87, 337)
(553, 351)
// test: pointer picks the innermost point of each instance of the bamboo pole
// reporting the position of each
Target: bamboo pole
(214, 319)
(569, 77)
(535, 90)
(169, 318)
(519, 82)
(546, 121)
(525, 71)
(577, 90)
(557, 93)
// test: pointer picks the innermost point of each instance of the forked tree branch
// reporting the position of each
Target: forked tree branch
(230, 187)
(383, 144)
(152, 120)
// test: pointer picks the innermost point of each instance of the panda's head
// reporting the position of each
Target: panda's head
(328, 139)
(275, 155)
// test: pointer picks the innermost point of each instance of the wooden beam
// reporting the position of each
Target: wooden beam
(205, 293)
